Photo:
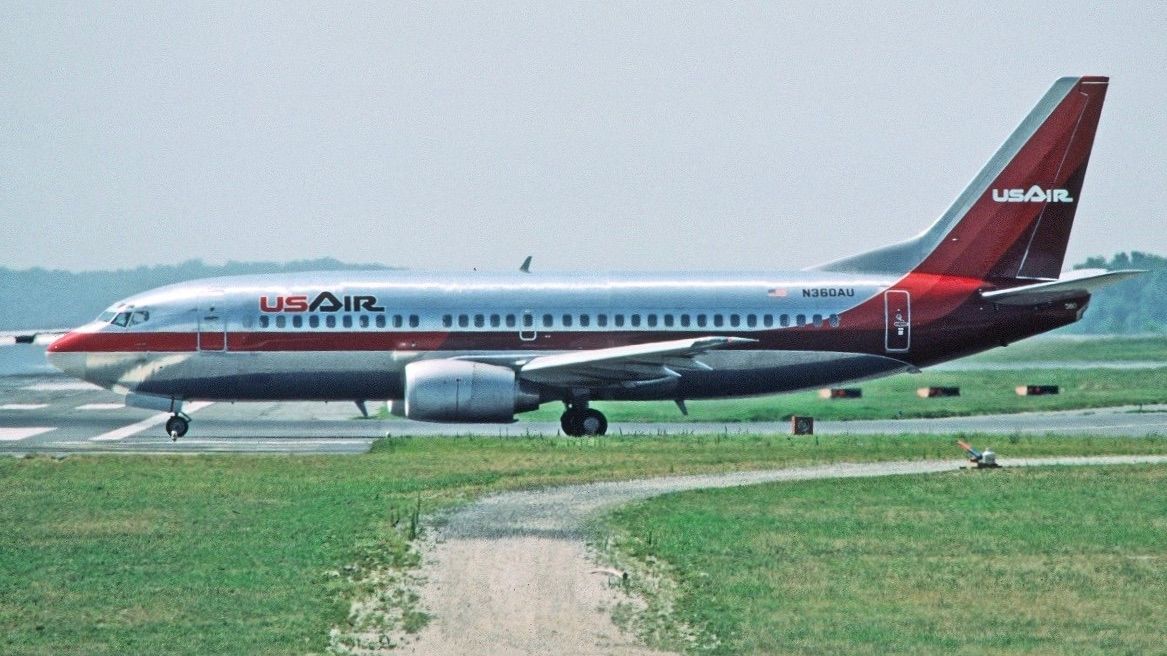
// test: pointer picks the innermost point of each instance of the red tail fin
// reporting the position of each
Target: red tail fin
(1013, 221)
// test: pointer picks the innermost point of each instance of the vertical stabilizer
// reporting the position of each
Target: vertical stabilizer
(1013, 221)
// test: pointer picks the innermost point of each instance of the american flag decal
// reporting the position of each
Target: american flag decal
(777, 292)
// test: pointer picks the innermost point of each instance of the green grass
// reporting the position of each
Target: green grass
(982, 392)
(240, 554)
(1048, 561)
(1078, 348)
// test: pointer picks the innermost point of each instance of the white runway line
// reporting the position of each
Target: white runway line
(157, 420)
(24, 432)
(101, 406)
(23, 406)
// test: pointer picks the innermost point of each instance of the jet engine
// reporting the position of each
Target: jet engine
(461, 391)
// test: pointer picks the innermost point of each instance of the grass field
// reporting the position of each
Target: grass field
(1078, 348)
(257, 554)
(1046, 561)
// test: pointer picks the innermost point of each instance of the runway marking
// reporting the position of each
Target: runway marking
(101, 406)
(157, 420)
(23, 432)
(23, 406)
(61, 387)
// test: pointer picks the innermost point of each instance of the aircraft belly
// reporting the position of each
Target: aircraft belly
(262, 376)
(746, 373)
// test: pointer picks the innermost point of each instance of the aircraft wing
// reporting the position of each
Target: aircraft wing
(1071, 284)
(638, 362)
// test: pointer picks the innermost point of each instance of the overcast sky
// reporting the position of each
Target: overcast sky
(591, 135)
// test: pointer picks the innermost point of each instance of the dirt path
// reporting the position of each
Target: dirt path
(510, 574)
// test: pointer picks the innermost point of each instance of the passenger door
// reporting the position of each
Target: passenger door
(897, 314)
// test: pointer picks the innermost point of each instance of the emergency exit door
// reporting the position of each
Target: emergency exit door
(897, 312)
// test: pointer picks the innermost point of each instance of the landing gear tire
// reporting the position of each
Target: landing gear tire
(569, 421)
(177, 426)
(593, 422)
(579, 422)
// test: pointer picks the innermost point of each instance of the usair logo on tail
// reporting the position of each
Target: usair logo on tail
(1035, 194)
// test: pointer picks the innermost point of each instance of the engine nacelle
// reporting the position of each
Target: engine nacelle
(461, 391)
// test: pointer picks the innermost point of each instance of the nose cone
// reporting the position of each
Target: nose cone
(65, 354)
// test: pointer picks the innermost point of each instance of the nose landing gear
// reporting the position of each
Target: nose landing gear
(177, 426)
(579, 420)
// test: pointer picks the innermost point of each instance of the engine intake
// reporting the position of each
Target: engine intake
(461, 391)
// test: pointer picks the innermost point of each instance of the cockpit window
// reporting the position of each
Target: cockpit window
(141, 316)
(121, 319)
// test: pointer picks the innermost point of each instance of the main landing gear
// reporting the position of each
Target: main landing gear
(177, 426)
(579, 420)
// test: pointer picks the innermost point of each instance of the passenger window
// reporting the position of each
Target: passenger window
(567, 321)
(264, 320)
(364, 321)
(463, 320)
(718, 320)
(495, 321)
(585, 320)
(784, 320)
(635, 321)
(380, 320)
(330, 321)
(817, 321)
(548, 320)
(800, 319)
(834, 319)
(398, 321)
(347, 321)
(281, 321)
(479, 320)
(668, 321)
(735, 320)
(448, 321)
(700, 320)
(297, 321)
(767, 320)
(510, 321)
(684, 321)
(529, 321)
(414, 320)
(602, 320)
(751, 320)
(619, 320)
(313, 321)
(652, 321)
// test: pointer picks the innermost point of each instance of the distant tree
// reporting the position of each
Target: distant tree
(1133, 306)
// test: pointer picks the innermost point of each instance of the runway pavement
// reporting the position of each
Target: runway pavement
(50, 413)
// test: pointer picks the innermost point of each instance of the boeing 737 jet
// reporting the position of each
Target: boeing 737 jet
(482, 347)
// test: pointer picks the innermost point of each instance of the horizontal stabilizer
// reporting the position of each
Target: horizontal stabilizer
(1072, 283)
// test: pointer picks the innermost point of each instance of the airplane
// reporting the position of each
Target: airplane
(484, 347)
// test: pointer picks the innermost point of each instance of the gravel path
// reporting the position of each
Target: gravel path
(510, 574)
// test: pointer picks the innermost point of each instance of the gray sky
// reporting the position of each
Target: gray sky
(638, 136)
